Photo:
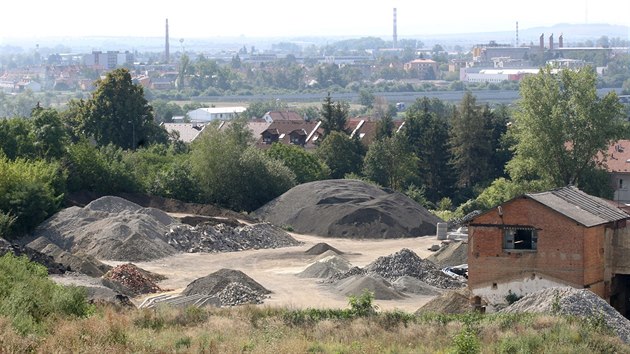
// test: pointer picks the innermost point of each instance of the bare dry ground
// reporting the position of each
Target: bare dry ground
(276, 270)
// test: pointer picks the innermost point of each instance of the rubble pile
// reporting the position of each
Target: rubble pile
(33, 256)
(133, 280)
(230, 287)
(573, 302)
(406, 262)
(220, 237)
(235, 294)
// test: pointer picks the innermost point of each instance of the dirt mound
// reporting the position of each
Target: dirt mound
(349, 208)
(357, 284)
(450, 254)
(216, 282)
(33, 255)
(409, 284)
(133, 280)
(450, 302)
(110, 228)
(220, 237)
(325, 267)
(406, 262)
(97, 290)
(326, 254)
(573, 302)
(321, 248)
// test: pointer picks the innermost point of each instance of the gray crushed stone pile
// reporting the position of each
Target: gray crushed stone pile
(109, 228)
(350, 209)
(572, 302)
(226, 287)
(404, 263)
(207, 237)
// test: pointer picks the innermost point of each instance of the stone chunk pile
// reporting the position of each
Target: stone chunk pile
(573, 302)
(220, 237)
(230, 287)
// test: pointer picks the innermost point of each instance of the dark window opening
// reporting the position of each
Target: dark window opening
(520, 239)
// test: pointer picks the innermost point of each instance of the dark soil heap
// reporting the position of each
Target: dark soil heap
(133, 280)
(349, 208)
(321, 248)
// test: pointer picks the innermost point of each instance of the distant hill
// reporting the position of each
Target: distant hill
(573, 33)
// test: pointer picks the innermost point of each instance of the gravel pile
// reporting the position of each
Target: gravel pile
(350, 209)
(406, 262)
(357, 284)
(231, 287)
(219, 237)
(33, 255)
(99, 291)
(320, 248)
(133, 280)
(325, 267)
(450, 254)
(573, 302)
(81, 263)
(110, 228)
(409, 284)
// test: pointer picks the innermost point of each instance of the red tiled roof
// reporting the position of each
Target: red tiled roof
(285, 115)
(618, 157)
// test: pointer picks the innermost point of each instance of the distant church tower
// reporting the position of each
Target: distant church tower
(167, 53)
(395, 31)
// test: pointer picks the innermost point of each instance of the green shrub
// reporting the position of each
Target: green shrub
(28, 297)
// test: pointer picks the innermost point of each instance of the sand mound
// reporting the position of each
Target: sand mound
(325, 267)
(450, 302)
(357, 284)
(326, 254)
(109, 228)
(349, 208)
(321, 248)
(450, 254)
(408, 284)
(574, 302)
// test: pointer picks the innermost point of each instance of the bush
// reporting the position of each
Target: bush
(30, 191)
(29, 298)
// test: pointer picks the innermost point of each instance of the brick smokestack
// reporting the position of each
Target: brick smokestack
(561, 41)
(395, 30)
(167, 53)
(542, 41)
(551, 42)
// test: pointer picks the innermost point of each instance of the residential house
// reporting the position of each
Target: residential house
(215, 113)
(272, 116)
(617, 163)
(186, 132)
(291, 132)
(562, 237)
(425, 68)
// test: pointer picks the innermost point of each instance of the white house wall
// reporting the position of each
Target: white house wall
(494, 296)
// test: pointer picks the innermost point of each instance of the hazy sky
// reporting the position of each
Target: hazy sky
(228, 18)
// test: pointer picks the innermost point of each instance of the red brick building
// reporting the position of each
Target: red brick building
(562, 237)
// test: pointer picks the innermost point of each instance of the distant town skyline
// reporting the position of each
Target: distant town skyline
(281, 18)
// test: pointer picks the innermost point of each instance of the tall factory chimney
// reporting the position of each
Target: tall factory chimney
(517, 34)
(542, 41)
(561, 41)
(167, 53)
(395, 45)
(551, 42)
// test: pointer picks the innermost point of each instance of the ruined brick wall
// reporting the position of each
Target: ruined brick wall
(560, 253)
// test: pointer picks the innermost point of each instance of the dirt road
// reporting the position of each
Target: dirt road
(275, 269)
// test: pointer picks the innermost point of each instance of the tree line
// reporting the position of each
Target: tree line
(452, 158)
